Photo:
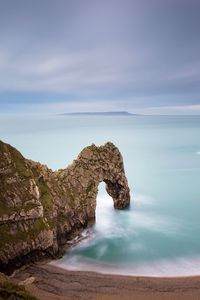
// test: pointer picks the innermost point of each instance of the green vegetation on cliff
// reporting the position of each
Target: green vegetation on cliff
(17, 158)
(12, 291)
(40, 210)
(20, 232)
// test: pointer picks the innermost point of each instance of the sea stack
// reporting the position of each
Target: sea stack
(40, 210)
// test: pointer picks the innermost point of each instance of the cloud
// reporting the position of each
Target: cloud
(174, 110)
(146, 53)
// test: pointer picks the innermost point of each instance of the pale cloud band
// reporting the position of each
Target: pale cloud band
(142, 56)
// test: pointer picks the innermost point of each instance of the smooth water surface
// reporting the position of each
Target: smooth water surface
(159, 235)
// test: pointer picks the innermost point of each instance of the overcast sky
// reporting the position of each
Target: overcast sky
(142, 56)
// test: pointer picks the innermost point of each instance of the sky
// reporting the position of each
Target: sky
(141, 56)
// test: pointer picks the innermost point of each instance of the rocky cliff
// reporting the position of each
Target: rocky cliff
(40, 210)
(11, 291)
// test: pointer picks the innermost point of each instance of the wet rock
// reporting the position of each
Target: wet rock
(40, 210)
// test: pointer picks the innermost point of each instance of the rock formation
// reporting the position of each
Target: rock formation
(40, 210)
(12, 291)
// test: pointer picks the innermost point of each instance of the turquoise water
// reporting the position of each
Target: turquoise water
(159, 235)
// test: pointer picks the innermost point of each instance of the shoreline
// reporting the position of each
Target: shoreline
(123, 274)
(48, 282)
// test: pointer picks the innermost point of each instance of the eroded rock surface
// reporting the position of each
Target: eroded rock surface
(40, 210)
(11, 291)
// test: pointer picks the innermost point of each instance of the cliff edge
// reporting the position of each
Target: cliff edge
(40, 210)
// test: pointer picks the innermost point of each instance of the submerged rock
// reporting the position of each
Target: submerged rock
(40, 210)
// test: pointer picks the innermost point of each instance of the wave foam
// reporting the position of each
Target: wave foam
(129, 225)
(178, 267)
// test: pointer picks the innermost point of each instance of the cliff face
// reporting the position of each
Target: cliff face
(40, 209)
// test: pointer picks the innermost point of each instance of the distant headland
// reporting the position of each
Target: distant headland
(97, 113)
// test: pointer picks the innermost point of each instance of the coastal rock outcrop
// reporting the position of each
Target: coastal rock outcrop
(10, 290)
(40, 210)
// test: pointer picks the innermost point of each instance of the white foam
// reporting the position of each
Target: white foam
(130, 222)
(126, 224)
(142, 200)
(183, 266)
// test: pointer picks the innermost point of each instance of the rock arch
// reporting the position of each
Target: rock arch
(94, 165)
(40, 210)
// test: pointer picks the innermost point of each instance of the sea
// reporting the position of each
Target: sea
(160, 234)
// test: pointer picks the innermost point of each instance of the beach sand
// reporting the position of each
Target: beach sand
(52, 283)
